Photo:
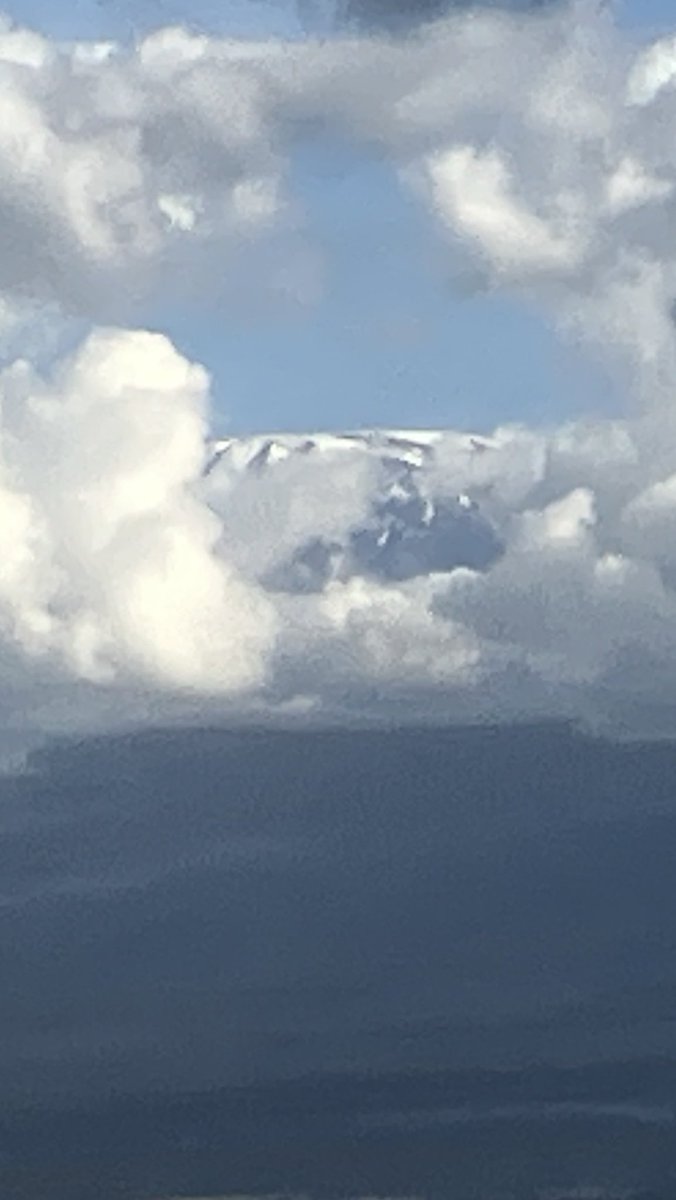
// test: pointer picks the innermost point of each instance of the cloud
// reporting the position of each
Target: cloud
(111, 160)
(125, 172)
(535, 571)
(194, 910)
(107, 555)
(531, 570)
(401, 15)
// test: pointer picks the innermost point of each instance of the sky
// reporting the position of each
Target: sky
(370, 335)
(336, 769)
(311, 220)
(450, 370)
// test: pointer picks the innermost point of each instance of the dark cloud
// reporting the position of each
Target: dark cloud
(169, 894)
(400, 15)
(329, 1138)
(199, 912)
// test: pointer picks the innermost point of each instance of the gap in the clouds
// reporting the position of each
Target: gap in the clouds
(125, 20)
(390, 338)
(649, 18)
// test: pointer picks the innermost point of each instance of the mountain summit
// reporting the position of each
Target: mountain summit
(407, 521)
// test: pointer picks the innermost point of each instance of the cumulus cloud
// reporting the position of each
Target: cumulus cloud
(528, 571)
(107, 556)
(110, 160)
(124, 172)
(567, 607)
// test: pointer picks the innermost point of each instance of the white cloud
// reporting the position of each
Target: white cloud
(653, 70)
(630, 187)
(473, 191)
(108, 556)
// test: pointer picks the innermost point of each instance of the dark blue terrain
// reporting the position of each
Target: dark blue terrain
(425, 962)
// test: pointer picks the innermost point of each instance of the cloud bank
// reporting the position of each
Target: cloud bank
(529, 571)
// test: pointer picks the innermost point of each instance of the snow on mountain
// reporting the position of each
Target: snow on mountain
(407, 518)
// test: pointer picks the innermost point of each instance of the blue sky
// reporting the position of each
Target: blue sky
(389, 341)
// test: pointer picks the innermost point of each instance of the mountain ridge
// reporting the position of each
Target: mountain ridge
(410, 525)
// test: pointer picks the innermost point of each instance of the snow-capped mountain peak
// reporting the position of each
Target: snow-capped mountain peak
(407, 522)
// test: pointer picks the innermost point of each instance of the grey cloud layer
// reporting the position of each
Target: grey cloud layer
(214, 910)
(403, 15)
(544, 152)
